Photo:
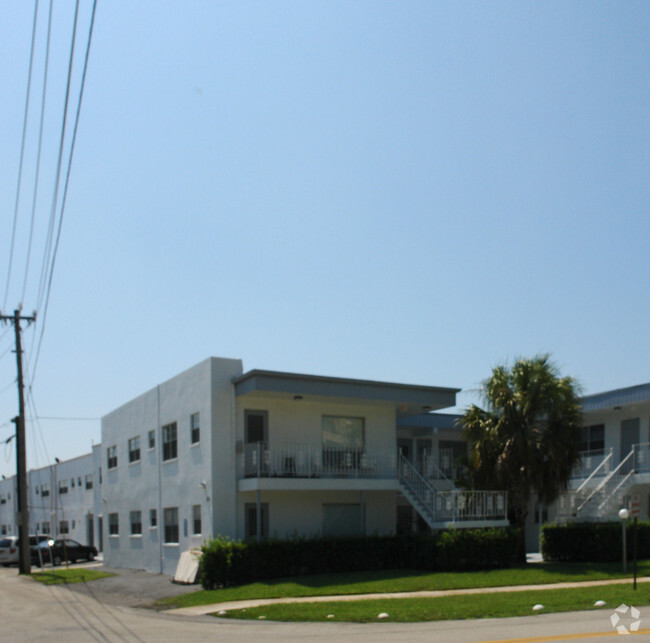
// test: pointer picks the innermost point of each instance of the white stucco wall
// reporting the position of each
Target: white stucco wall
(181, 482)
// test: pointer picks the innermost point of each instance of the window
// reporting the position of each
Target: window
(72, 483)
(113, 524)
(195, 431)
(63, 527)
(153, 518)
(111, 457)
(342, 519)
(171, 524)
(79, 481)
(46, 528)
(134, 449)
(593, 438)
(3, 500)
(256, 426)
(342, 432)
(152, 439)
(63, 487)
(342, 441)
(251, 519)
(169, 441)
(196, 519)
(89, 481)
(136, 523)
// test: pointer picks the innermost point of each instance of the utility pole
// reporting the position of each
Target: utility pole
(21, 455)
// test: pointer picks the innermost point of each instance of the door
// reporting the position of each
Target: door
(256, 423)
(629, 437)
(100, 531)
(90, 530)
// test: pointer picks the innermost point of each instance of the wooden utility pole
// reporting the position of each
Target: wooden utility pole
(21, 455)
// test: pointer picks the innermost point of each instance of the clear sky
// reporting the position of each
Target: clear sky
(393, 190)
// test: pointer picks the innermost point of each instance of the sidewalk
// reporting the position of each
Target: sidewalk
(201, 610)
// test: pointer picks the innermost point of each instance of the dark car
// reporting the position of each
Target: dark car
(61, 550)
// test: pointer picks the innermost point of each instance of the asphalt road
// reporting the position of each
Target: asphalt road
(104, 611)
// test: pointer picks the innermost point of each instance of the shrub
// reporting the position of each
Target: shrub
(228, 562)
(593, 542)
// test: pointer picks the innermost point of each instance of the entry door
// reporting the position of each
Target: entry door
(629, 437)
(90, 530)
(256, 429)
(100, 529)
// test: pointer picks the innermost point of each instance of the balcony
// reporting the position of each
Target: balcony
(266, 460)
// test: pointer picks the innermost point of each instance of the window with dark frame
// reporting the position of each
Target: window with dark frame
(113, 524)
(152, 439)
(136, 523)
(195, 430)
(170, 516)
(196, 519)
(169, 439)
(153, 518)
(134, 449)
(111, 457)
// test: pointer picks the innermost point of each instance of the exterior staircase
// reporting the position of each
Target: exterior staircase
(602, 492)
(449, 507)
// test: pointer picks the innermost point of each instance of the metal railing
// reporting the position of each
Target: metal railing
(597, 462)
(455, 505)
(269, 460)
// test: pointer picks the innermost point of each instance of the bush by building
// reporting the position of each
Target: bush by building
(226, 562)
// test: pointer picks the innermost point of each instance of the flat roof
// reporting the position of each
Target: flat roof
(617, 397)
(295, 385)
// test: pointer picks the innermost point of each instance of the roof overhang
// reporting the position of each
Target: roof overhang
(616, 399)
(407, 398)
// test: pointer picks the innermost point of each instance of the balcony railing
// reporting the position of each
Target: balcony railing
(596, 462)
(457, 506)
(268, 460)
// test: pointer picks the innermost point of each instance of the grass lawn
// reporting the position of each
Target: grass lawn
(503, 604)
(65, 576)
(406, 581)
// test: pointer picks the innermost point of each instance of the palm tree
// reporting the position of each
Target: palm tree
(527, 439)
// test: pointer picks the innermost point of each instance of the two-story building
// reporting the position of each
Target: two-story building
(219, 451)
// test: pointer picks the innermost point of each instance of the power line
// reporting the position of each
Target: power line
(67, 177)
(22, 153)
(40, 147)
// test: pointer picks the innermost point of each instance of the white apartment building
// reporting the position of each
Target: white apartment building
(63, 500)
(219, 451)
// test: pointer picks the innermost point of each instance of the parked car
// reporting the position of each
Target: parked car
(8, 550)
(60, 550)
(9, 547)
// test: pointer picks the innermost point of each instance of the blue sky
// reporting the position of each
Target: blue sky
(401, 191)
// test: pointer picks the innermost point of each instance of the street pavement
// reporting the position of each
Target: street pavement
(111, 610)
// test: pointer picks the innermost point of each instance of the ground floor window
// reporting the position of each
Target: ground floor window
(63, 527)
(136, 523)
(251, 520)
(171, 524)
(113, 524)
(196, 519)
(342, 519)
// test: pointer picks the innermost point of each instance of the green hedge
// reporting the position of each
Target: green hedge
(226, 562)
(593, 541)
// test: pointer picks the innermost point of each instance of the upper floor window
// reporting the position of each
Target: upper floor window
(45, 490)
(153, 518)
(63, 486)
(152, 439)
(169, 440)
(593, 438)
(195, 430)
(342, 432)
(3, 500)
(134, 449)
(89, 481)
(111, 457)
